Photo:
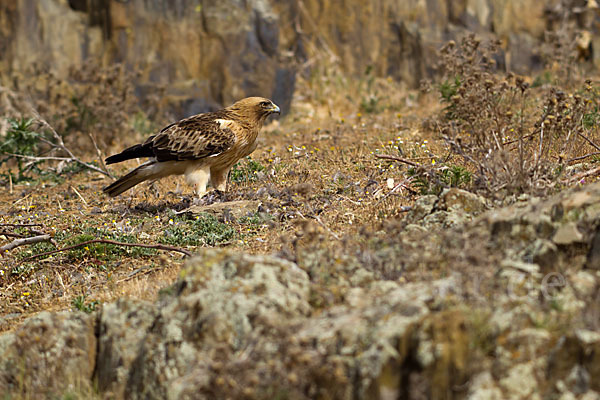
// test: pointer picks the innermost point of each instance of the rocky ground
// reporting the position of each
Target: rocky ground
(454, 301)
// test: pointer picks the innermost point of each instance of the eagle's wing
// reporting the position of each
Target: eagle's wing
(192, 138)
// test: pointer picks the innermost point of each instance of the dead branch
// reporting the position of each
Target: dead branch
(528, 136)
(20, 225)
(582, 175)
(147, 246)
(394, 158)
(399, 186)
(24, 241)
(60, 144)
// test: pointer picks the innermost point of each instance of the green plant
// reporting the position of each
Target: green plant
(544, 78)
(370, 101)
(435, 180)
(246, 170)
(204, 230)
(448, 89)
(80, 304)
(455, 176)
(22, 139)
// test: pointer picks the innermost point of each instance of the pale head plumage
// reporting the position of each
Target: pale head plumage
(256, 109)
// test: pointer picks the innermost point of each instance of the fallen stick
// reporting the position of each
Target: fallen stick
(148, 246)
(394, 158)
(582, 175)
(24, 241)
(20, 225)
(79, 195)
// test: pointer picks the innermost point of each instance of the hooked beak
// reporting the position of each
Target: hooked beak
(275, 109)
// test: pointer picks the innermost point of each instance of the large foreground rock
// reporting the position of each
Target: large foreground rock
(48, 355)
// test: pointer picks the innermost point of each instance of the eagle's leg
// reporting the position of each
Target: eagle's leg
(218, 178)
(199, 178)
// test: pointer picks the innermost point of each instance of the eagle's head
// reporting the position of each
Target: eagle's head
(255, 108)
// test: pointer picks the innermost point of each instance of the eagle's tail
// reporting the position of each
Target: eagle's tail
(138, 175)
(137, 151)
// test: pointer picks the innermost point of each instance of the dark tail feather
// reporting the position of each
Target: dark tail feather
(139, 150)
(128, 181)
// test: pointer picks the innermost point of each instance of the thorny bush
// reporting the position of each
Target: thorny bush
(515, 138)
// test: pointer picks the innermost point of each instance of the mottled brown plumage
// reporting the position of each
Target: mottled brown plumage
(203, 147)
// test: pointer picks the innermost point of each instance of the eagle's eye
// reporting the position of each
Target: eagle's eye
(265, 104)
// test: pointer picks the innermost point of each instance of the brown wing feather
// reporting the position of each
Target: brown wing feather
(191, 138)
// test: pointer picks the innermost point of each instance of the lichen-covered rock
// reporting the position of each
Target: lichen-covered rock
(575, 361)
(423, 207)
(50, 354)
(454, 207)
(458, 200)
(122, 326)
(224, 303)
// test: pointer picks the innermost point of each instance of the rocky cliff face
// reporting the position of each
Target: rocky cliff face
(211, 53)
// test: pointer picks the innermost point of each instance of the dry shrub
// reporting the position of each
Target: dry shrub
(91, 100)
(515, 138)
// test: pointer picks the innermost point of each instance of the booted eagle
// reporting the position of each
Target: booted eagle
(203, 147)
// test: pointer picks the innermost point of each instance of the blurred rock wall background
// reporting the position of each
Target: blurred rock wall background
(209, 53)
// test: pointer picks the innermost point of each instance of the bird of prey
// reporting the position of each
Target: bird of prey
(203, 147)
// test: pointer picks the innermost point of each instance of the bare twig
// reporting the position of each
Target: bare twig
(24, 241)
(99, 153)
(399, 186)
(594, 145)
(394, 158)
(570, 160)
(79, 195)
(40, 158)
(318, 219)
(528, 136)
(142, 270)
(147, 246)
